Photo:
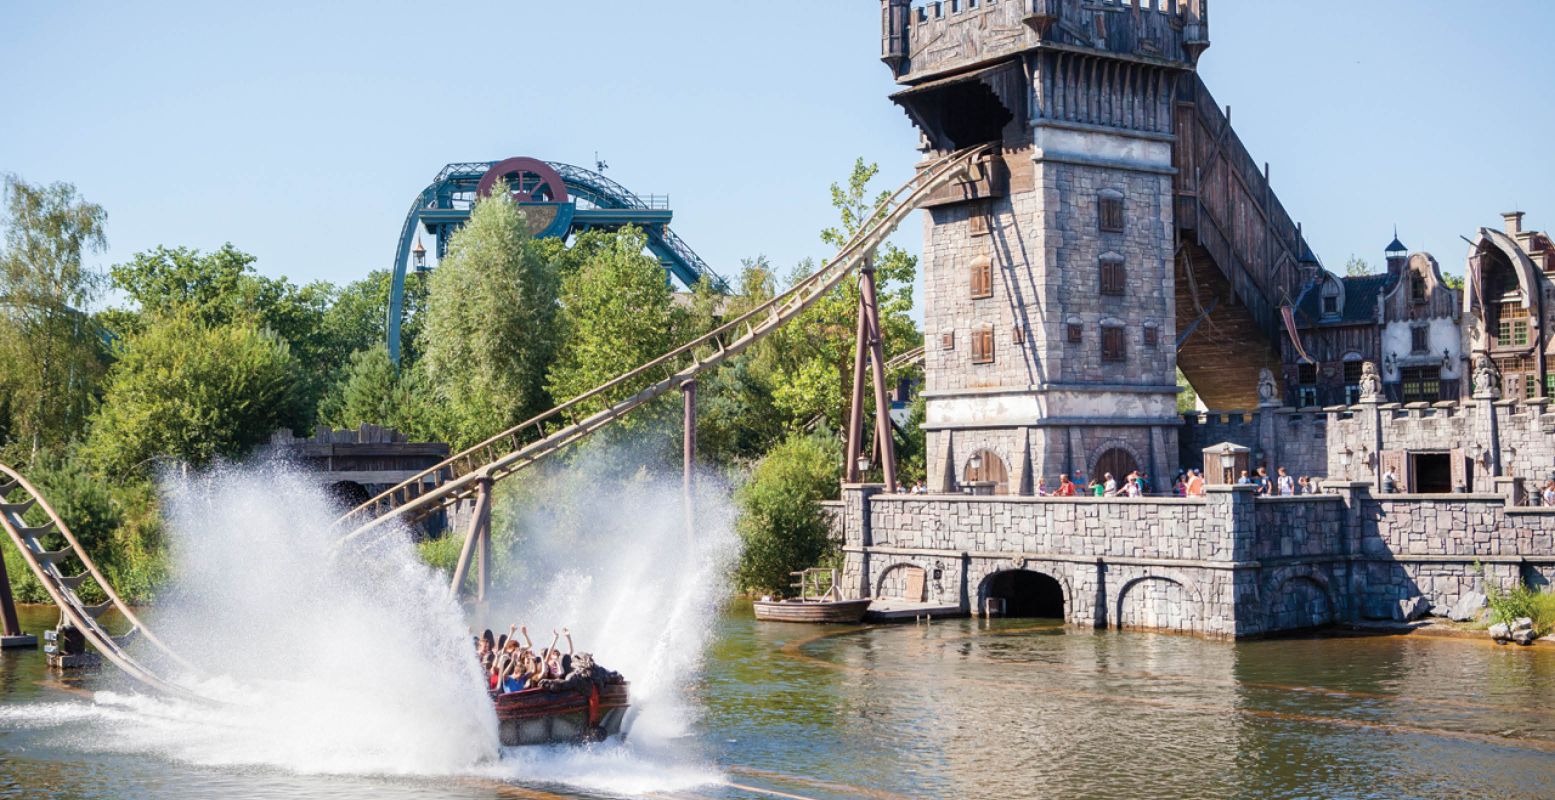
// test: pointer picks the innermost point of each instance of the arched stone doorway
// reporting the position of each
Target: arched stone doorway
(1023, 593)
(1117, 461)
(985, 467)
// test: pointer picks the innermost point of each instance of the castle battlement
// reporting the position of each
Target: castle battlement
(921, 38)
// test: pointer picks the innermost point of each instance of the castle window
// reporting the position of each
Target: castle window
(947, 340)
(982, 278)
(1076, 333)
(1112, 275)
(1330, 305)
(1421, 384)
(1513, 325)
(1352, 381)
(1531, 386)
(1113, 345)
(977, 223)
(1018, 335)
(982, 345)
(1420, 339)
(1306, 385)
(1417, 287)
(1152, 336)
(1109, 211)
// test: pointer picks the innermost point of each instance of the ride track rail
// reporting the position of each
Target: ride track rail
(62, 588)
(462, 475)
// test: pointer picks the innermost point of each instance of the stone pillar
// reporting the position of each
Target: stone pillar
(1231, 524)
(856, 538)
(1345, 574)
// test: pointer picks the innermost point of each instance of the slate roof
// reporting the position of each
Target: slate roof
(1361, 295)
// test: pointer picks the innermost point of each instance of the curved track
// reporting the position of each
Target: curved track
(17, 497)
(461, 476)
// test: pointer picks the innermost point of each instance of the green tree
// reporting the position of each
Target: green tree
(221, 287)
(1187, 398)
(781, 523)
(490, 330)
(192, 393)
(358, 318)
(813, 356)
(617, 313)
(374, 391)
(1356, 267)
(50, 354)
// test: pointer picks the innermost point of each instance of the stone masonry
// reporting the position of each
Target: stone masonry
(1227, 565)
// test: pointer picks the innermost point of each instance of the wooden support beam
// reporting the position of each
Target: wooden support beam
(688, 395)
(877, 362)
(850, 468)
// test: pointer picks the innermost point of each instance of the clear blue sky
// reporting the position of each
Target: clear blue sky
(301, 132)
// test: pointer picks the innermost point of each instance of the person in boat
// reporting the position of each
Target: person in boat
(558, 666)
(586, 676)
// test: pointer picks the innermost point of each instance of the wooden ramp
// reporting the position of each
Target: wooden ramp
(17, 498)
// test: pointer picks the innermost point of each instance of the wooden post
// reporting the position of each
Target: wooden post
(856, 404)
(688, 395)
(877, 362)
(477, 544)
(8, 603)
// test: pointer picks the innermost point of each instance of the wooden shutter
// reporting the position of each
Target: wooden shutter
(977, 223)
(1462, 471)
(982, 345)
(1110, 214)
(1076, 333)
(1152, 336)
(1112, 344)
(1018, 335)
(1112, 276)
(1398, 462)
(982, 278)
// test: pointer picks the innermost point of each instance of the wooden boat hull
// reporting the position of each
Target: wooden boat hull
(832, 611)
(535, 716)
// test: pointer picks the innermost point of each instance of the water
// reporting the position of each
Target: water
(956, 709)
(352, 678)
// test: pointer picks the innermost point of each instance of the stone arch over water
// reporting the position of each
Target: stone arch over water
(1026, 593)
(1298, 599)
(903, 581)
(1159, 602)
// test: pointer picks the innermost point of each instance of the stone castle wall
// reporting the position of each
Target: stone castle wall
(1227, 565)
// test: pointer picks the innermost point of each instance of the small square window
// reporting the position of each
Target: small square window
(947, 340)
(1113, 346)
(1076, 333)
(1110, 213)
(1330, 305)
(1152, 336)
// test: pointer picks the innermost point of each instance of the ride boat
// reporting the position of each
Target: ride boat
(589, 706)
(813, 603)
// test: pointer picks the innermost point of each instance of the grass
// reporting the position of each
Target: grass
(1523, 601)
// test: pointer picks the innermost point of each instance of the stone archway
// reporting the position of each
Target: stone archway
(1117, 460)
(1301, 602)
(1157, 603)
(906, 582)
(1023, 593)
(347, 494)
(990, 469)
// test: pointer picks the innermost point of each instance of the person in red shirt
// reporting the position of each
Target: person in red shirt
(1065, 486)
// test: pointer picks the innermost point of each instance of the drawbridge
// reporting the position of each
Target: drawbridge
(470, 474)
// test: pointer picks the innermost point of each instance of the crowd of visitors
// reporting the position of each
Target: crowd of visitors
(513, 667)
(1188, 483)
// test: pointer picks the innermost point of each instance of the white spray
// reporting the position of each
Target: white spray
(363, 664)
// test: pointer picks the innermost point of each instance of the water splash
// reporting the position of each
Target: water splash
(362, 665)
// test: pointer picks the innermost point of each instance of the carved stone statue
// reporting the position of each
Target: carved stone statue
(1268, 391)
(1371, 383)
(1487, 379)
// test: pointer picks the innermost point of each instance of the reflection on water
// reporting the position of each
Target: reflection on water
(954, 709)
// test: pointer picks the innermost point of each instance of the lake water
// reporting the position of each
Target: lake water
(956, 709)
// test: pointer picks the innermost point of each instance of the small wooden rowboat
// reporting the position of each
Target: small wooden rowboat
(813, 604)
(797, 610)
(537, 716)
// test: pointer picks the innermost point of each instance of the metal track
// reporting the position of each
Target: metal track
(458, 477)
(17, 497)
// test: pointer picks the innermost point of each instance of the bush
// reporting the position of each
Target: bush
(781, 523)
(1522, 601)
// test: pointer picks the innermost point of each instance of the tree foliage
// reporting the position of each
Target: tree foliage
(490, 330)
(781, 523)
(1356, 267)
(617, 313)
(191, 392)
(50, 353)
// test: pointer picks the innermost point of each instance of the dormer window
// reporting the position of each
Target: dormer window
(1417, 287)
(1330, 305)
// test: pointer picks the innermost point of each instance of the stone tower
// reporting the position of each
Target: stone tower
(1049, 282)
